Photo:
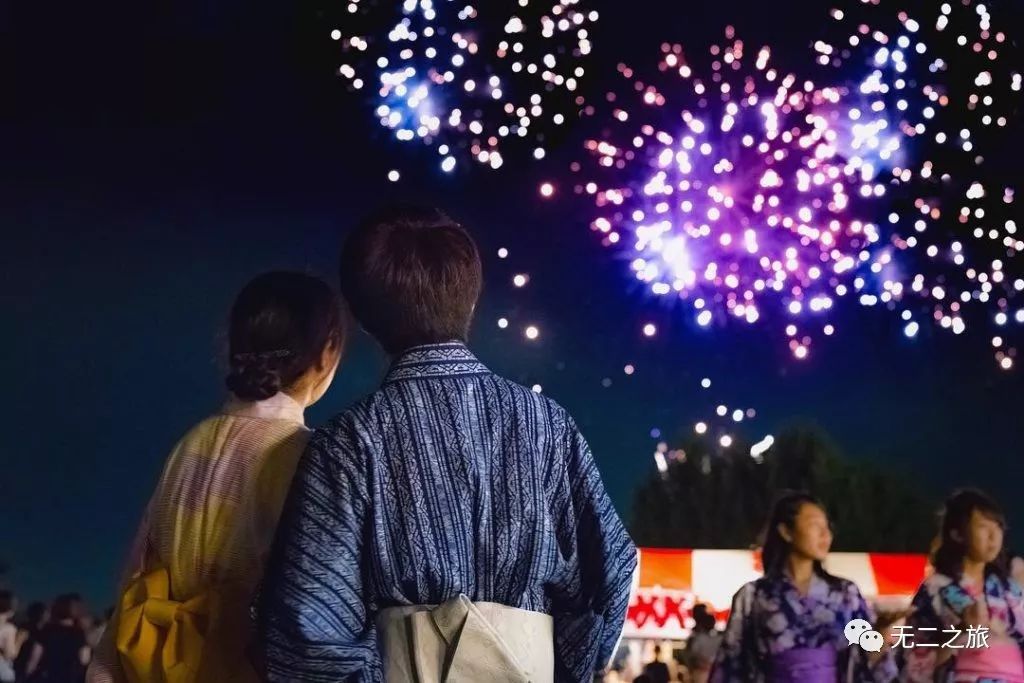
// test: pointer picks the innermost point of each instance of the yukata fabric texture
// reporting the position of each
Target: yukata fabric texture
(776, 634)
(212, 518)
(449, 480)
(939, 607)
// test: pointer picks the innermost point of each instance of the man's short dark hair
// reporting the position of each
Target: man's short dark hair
(411, 276)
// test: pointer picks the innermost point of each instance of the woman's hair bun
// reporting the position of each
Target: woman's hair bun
(255, 376)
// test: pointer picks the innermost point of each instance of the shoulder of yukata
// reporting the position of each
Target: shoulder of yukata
(561, 427)
(559, 419)
(339, 429)
(342, 441)
(1014, 589)
(762, 585)
(359, 425)
(936, 582)
(761, 588)
(927, 604)
(742, 607)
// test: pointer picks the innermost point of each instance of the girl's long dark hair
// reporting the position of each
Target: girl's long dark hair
(949, 554)
(775, 549)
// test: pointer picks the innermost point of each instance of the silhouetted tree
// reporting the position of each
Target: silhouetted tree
(717, 497)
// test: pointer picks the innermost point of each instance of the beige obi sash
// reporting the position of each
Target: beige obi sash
(465, 642)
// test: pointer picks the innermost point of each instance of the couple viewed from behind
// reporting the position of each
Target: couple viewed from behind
(452, 526)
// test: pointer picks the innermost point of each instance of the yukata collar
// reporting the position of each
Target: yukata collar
(448, 359)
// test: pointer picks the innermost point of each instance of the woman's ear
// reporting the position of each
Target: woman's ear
(786, 534)
(330, 356)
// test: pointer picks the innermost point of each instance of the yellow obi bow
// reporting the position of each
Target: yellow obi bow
(161, 640)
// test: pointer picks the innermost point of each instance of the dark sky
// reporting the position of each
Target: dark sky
(158, 154)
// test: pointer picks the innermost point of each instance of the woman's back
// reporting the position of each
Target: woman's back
(201, 547)
(212, 518)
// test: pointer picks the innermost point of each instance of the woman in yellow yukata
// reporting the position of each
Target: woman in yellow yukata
(200, 549)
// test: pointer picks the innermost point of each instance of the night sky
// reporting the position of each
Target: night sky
(156, 155)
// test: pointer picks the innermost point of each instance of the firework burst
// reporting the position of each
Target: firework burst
(944, 81)
(729, 188)
(464, 80)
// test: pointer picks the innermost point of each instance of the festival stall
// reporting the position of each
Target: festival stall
(671, 582)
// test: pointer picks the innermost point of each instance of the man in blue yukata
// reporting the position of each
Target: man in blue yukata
(453, 525)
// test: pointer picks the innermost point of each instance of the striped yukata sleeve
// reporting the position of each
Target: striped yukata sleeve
(313, 620)
(589, 607)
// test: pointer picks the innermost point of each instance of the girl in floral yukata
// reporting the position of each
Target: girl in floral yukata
(968, 621)
(788, 626)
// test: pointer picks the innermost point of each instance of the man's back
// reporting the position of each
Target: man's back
(447, 480)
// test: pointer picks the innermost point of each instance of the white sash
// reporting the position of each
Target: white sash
(465, 642)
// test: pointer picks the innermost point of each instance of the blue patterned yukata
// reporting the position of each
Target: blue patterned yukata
(448, 480)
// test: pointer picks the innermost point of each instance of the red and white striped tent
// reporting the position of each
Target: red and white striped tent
(672, 581)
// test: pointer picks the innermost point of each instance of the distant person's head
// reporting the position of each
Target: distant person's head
(702, 618)
(8, 605)
(797, 528)
(67, 607)
(412, 276)
(971, 531)
(657, 652)
(286, 333)
(707, 622)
